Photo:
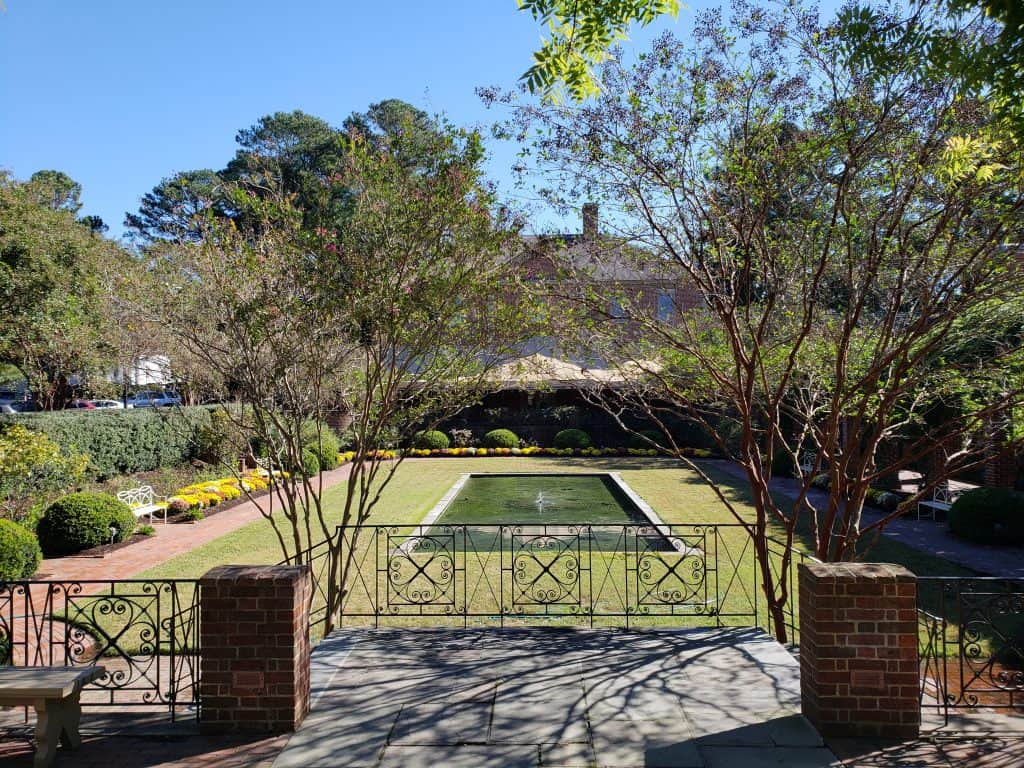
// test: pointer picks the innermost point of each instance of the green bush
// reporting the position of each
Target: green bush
(501, 438)
(989, 516)
(884, 500)
(19, 552)
(430, 440)
(120, 442)
(310, 462)
(323, 443)
(637, 440)
(572, 438)
(82, 520)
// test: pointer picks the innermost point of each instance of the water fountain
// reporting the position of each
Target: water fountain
(539, 501)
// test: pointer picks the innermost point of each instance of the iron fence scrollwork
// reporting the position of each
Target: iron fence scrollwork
(145, 632)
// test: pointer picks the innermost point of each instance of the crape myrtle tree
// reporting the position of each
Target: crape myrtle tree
(849, 237)
(393, 315)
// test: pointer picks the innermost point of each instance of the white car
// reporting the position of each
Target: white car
(107, 403)
(152, 399)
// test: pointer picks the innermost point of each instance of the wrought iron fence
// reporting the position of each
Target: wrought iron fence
(601, 575)
(145, 632)
(971, 633)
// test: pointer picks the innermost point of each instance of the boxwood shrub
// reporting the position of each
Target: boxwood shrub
(989, 516)
(82, 520)
(323, 443)
(19, 552)
(501, 438)
(124, 441)
(573, 438)
(432, 439)
(638, 441)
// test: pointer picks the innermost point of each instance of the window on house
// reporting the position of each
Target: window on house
(666, 306)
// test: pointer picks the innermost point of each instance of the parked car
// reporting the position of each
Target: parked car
(107, 403)
(153, 399)
(80, 404)
(17, 406)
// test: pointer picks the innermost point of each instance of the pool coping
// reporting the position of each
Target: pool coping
(635, 499)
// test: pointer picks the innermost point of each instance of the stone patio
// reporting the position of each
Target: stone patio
(554, 697)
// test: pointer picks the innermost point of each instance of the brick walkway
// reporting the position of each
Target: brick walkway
(170, 540)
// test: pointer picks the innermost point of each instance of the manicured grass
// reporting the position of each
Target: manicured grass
(676, 494)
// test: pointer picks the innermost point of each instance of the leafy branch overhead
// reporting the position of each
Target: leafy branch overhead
(580, 33)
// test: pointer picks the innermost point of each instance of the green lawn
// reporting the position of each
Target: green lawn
(676, 494)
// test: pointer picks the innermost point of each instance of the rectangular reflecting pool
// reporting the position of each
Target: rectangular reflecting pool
(549, 499)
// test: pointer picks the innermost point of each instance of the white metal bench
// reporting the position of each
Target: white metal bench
(942, 499)
(143, 502)
(808, 460)
(265, 467)
(54, 693)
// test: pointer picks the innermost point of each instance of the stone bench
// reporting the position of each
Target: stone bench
(54, 693)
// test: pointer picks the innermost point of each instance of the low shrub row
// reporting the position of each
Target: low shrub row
(533, 450)
(124, 441)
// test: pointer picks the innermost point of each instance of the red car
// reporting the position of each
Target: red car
(79, 403)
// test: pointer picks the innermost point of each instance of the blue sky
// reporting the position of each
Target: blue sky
(121, 93)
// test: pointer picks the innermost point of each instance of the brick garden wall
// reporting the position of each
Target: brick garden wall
(254, 632)
(859, 670)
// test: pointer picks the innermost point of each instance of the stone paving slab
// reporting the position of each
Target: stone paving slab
(554, 697)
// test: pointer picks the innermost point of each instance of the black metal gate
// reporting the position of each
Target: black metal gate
(971, 634)
(145, 632)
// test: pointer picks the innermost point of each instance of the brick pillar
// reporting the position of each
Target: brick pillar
(254, 635)
(858, 649)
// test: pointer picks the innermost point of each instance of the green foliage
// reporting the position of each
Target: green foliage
(580, 34)
(324, 444)
(989, 516)
(124, 441)
(501, 438)
(572, 438)
(33, 466)
(82, 520)
(146, 530)
(310, 463)
(432, 439)
(222, 441)
(193, 514)
(884, 500)
(639, 441)
(19, 552)
(52, 299)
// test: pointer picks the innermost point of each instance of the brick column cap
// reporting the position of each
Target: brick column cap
(856, 572)
(252, 574)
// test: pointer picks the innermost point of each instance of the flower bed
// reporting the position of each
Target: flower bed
(213, 492)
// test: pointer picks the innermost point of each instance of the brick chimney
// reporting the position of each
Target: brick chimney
(590, 221)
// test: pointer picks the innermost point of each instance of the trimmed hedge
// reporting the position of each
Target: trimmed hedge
(82, 520)
(989, 516)
(501, 438)
(655, 436)
(573, 438)
(19, 552)
(430, 440)
(120, 442)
